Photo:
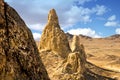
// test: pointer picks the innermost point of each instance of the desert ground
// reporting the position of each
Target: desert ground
(103, 52)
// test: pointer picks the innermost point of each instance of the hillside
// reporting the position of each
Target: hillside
(103, 52)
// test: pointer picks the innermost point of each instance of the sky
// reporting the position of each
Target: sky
(94, 18)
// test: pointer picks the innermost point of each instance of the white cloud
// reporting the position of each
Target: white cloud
(112, 18)
(36, 36)
(111, 24)
(76, 14)
(99, 9)
(117, 31)
(86, 19)
(84, 31)
(83, 1)
(81, 14)
(34, 13)
(36, 27)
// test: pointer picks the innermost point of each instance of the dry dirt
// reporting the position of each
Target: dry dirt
(103, 52)
(103, 55)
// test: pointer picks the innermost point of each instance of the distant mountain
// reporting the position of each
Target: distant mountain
(70, 36)
(85, 37)
(113, 37)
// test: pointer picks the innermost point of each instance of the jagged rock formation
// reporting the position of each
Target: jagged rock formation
(64, 62)
(53, 38)
(54, 47)
(73, 67)
(19, 56)
(70, 68)
(77, 58)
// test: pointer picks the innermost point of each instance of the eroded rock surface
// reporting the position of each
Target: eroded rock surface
(73, 67)
(64, 62)
(53, 38)
(19, 56)
(55, 51)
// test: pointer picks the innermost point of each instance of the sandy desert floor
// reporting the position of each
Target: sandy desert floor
(103, 52)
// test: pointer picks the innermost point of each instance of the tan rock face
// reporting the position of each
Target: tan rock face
(53, 38)
(54, 47)
(61, 62)
(19, 57)
(77, 58)
(75, 46)
(75, 63)
(53, 18)
(74, 67)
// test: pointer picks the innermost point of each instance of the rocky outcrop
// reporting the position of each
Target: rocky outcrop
(69, 36)
(70, 62)
(77, 59)
(19, 56)
(64, 62)
(75, 45)
(74, 66)
(53, 38)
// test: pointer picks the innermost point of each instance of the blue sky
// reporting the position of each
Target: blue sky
(94, 18)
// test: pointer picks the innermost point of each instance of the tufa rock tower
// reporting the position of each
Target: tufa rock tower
(54, 47)
(53, 38)
(62, 61)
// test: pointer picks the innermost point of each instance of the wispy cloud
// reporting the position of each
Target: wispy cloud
(84, 31)
(112, 22)
(117, 31)
(112, 18)
(100, 9)
(35, 11)
(81, 2)
(83, 14)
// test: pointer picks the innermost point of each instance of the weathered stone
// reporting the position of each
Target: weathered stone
(61, 62)
(53, 18)
(74, 66)
(53, 38)
(75, 46)
(19, 56)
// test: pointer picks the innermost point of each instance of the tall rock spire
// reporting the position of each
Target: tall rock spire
(75, 46)
(53, 38)
(52, 17)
